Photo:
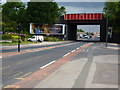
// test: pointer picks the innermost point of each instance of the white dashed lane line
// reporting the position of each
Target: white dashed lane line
(47, 65)
(73, 51)
(66, 54)
(87, 50)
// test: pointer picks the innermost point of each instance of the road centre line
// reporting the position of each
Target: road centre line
(75, 50)
(47, 65)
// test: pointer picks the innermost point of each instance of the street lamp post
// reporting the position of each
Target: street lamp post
(106, 24)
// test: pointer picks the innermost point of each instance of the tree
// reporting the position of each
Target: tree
(80, 30)
(113, 9)
(12, 14)
(42, 12)
(62, 11)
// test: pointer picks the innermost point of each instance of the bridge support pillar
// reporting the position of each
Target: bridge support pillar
(71, 31)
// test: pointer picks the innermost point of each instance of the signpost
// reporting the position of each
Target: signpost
(19, 28)
(106, 24)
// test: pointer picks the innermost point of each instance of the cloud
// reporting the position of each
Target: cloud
(82, 7)
(89, 28)
(80, 0)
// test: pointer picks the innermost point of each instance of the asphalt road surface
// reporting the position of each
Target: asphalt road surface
(16, 67)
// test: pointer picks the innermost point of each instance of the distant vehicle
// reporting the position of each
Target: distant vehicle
(86, 37)
(36, 38)
(81, 35)
(98, 37)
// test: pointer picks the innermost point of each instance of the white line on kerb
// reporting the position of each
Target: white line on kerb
(72, 50)
(47, 65)
(66, 54)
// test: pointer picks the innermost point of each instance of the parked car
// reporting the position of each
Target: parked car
(36, 38)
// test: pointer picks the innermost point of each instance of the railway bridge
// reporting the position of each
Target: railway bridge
(72, 20)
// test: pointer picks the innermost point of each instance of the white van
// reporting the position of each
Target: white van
(36, 38)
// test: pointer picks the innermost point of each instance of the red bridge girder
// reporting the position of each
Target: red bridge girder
(84, 21)
(84, 16)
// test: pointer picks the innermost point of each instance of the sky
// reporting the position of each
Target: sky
(78, 6)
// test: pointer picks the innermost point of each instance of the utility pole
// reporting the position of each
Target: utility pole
(106, 24)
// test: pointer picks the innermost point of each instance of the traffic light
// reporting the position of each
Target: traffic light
(110, 32)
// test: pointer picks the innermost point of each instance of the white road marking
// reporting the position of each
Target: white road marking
(77, 48)
(72, 50)
(83, 50)
(0, 56)
(87, 50)
(66, 54)
(47, 65)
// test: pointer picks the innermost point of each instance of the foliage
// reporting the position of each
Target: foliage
(15, 37)
(12, 14)
(51, 39)
(113, 10)
(26, 13)
(80, 30)
(7, 37)
(42, 12)
(62, 11)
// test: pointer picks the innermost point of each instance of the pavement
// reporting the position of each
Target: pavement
(97, 68)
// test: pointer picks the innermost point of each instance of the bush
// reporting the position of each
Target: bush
(51, 39)
(14, 41)
(7, 36)
(15, 37)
